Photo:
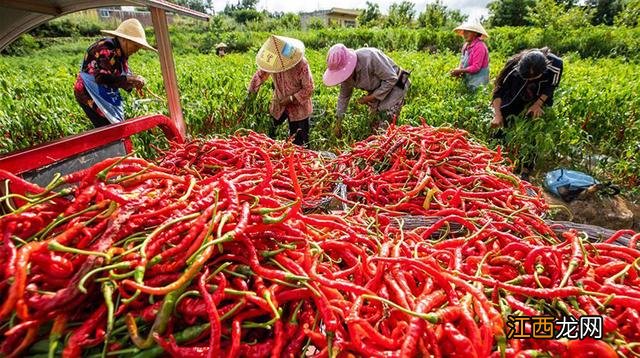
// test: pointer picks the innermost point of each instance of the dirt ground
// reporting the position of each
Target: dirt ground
(609, 212)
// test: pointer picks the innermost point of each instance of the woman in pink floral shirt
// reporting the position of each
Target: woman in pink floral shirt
(282, 59)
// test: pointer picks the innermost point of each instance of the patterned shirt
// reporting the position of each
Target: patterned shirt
(296, 82)
(107, 63)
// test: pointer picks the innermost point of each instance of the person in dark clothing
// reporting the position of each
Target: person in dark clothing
(105, 70)
(525, 85)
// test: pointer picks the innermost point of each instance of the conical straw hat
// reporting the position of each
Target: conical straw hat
(279, 54)
(132, 30)
(472, 26)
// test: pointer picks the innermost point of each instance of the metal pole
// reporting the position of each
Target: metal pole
(167, 66)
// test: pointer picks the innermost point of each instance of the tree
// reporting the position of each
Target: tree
(554, 15)
(290, 21)
(630, 14)
(197, 5)
(243, 16)
(241, 5)
(509, 12)
(316, 23)
(605, 11)
(438, 15)
(371, 16)
(244, 11)
(567, 4)
(401, 14)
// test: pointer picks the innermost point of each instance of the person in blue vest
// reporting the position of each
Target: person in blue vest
(105, 70)
(474, 62)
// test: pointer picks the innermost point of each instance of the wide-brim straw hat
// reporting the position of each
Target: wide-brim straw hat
(132, 30)
(472, 26)
(221, 45)
(279, 53)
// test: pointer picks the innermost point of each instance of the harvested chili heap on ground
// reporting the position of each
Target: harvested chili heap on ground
(415, 242)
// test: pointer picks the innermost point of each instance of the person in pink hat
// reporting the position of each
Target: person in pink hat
(368, 69)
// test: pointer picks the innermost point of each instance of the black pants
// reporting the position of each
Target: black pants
(298, 128)
(97, 120)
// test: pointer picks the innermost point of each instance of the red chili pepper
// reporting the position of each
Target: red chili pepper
(588, 348)
(80, 336)
(214, 318)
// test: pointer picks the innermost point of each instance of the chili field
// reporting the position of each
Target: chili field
(593, 124)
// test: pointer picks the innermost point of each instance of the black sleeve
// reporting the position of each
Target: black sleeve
(501, 84)
(553, 75)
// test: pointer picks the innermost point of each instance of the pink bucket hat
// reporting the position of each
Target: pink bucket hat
(341, 61)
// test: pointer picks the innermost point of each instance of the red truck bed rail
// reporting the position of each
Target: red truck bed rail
(49, 153)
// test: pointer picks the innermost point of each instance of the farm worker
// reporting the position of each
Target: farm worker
(474, 62)
(371, 70)
(282, 58)
(526, 83)
(221, 49)
(105, 70)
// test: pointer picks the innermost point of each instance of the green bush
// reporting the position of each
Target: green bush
(24, 45)
(198, 37)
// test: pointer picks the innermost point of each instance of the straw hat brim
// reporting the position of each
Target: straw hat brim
(274, 60)
(335, 77)
(139, 41)
(477, 28)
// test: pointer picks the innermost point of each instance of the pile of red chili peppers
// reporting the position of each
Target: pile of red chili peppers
(219, 249)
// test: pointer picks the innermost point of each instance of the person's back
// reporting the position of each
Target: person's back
(371, 70)
(523, 80)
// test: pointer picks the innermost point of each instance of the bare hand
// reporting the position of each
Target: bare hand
(535, 111)
(337, 129)
(497, 121)
(136, 81)
(366, 99)
(457, 72)
(286, 101)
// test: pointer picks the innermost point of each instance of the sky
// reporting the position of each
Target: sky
(474, 8)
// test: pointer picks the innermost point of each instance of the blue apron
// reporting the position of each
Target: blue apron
(107, 99)
(473, 80)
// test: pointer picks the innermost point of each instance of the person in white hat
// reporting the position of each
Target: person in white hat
(221, 49)
(368, 69)
(282, 58)
(474, 62)
(105, 70)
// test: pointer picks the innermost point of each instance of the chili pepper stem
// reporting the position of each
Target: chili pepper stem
(56, 246)
(119, 265)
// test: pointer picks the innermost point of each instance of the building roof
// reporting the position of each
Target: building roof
(18, 17)
(334, 11)
(341, 11)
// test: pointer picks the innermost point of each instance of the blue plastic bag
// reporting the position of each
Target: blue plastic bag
(568, 184)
